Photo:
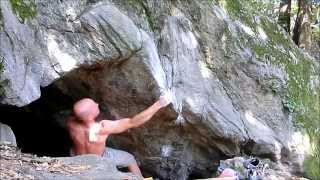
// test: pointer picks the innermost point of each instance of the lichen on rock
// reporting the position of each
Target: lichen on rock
(24, 9)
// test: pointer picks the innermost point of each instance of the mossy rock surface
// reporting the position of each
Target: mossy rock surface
(24, 9)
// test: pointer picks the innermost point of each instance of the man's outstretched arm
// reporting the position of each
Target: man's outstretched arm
(121, 125)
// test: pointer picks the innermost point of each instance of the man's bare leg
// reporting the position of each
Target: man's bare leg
(134, 168)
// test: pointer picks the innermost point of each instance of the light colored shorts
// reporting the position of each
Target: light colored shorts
(119, 157)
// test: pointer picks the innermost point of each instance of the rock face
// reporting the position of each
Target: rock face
(7, 135)
(99, 169)
(235, 84)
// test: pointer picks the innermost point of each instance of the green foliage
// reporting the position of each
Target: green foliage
(316, 34)
(315, 27)
(24, 9)
(312, 163)
(302, 93)
(141, 5)
(301, 98)
(266, 8)
(240, 8)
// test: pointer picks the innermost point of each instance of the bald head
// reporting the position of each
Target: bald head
(86, 109)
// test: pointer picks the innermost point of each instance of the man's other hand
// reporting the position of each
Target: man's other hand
(166, 98)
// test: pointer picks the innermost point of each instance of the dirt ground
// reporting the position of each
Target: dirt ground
(17, 165)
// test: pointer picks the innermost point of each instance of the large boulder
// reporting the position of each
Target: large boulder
(98, 168)
(17, 165)
(235, 85)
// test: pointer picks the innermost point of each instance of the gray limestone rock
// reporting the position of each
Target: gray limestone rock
(7, 135)
(99, 168)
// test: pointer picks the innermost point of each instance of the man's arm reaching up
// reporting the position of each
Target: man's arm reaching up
(121, 125)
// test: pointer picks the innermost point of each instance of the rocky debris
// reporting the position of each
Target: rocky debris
(7, 135)
(258, 168)
(17, 165)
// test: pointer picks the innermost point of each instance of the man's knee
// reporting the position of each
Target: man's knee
(121, 158)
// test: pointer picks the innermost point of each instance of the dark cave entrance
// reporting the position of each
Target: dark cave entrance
(38, 127)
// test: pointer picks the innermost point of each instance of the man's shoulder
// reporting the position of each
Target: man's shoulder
(73, 123)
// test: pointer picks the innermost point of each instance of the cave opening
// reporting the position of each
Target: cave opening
(39, 127)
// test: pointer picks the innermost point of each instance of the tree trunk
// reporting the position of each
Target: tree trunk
(284, 14)
(302, 28)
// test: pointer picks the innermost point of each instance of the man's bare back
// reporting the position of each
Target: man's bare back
(79, 134)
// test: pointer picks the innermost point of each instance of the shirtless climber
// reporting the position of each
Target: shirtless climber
(89, 136)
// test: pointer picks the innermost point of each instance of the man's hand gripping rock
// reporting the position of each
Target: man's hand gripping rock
(166, 98)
